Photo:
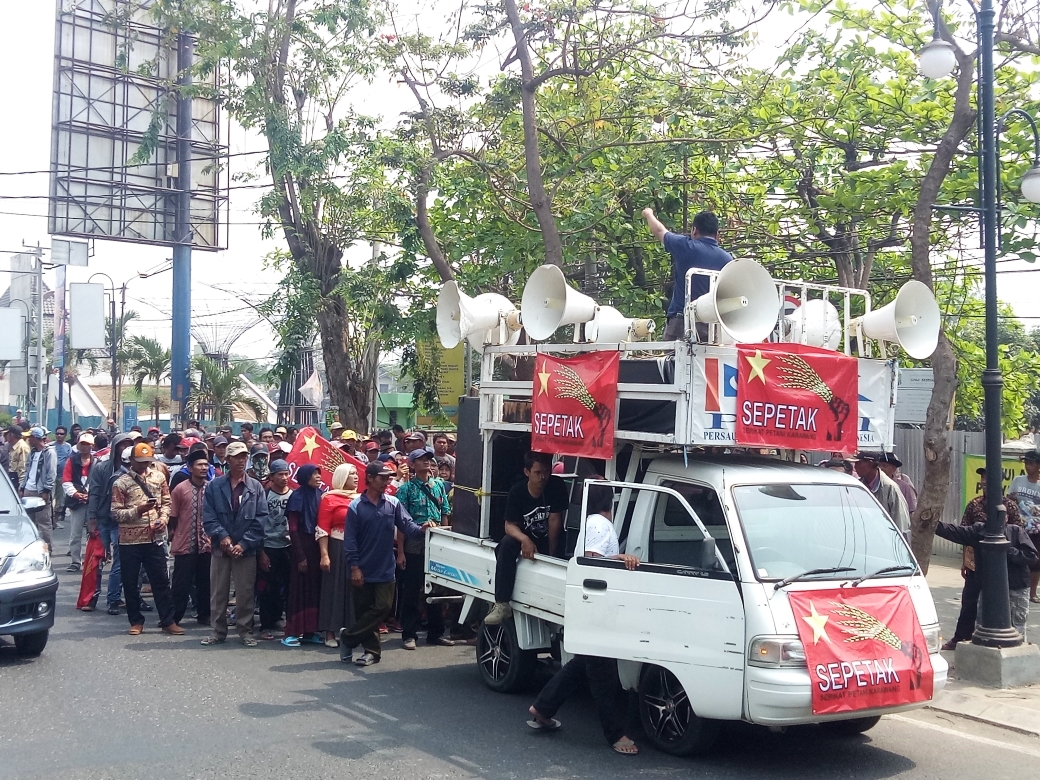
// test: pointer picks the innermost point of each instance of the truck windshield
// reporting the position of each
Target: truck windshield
(795, 528)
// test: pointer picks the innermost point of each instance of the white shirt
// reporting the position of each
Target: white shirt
(600, 537)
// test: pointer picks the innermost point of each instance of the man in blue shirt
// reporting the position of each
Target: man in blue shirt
(368, 546)
(698, 250)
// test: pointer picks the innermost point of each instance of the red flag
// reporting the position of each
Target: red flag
(573, 404)
(796, 397)
(311, 447)
(92, 558)
(864, 648)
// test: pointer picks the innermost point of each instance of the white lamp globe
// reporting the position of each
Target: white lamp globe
(1031, 185)
(937, 59)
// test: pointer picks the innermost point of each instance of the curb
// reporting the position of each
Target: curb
(1000, 713)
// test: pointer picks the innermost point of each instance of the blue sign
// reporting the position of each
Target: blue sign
(129, 416)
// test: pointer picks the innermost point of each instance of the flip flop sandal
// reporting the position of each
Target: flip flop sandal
(248, 641)
(315, 639)
(331, 643)
(135, 630)
(291, 641)
(267, 636)
(552, 725)
(626, 747)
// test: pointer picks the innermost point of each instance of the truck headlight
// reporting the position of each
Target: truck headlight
(932, 637)
(776, 651)
(33, 562)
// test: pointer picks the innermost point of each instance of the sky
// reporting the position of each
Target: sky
(26, 57)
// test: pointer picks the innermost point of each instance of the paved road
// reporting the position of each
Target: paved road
(101, 704)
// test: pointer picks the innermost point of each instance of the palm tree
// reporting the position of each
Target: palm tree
(148, 361)
(222, 389)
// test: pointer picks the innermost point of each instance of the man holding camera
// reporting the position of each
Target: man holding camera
(141, 507)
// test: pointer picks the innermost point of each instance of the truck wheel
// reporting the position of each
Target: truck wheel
(668, 718)
(31, 645)
(851, 727)
(504, 667)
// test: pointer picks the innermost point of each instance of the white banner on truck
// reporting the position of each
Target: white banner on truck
(713, 405)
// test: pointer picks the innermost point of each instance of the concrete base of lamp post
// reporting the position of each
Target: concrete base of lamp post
(993, 667)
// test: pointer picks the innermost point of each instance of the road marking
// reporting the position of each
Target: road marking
(965, 735)
(374, 711)
(465, 763)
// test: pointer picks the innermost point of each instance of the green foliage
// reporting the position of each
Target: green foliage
(220, 389)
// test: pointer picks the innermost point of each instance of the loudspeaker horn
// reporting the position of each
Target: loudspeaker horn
(550, 302)
(610, 326)
(744, 302)
(912, 321)
(488, 318)
(819, 321)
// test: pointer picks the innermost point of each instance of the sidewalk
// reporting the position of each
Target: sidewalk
(1016, 709)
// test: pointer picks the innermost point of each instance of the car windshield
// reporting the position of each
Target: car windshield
(792, 529)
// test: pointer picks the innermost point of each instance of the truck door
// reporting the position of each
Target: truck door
(680, 608)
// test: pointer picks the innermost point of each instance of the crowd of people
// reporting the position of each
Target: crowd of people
(208, 524)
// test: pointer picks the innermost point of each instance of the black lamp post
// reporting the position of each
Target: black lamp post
(937, 60)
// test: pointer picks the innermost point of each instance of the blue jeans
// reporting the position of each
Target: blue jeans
(110, 538)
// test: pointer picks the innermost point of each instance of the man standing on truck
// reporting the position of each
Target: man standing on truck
(600, 541)
(534, 519)
(698, 250)
(884, 489)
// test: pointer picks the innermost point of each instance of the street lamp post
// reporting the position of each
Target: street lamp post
(938, 59)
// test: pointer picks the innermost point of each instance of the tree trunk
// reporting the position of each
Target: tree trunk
(422, 218)
(349, 387)
(540, 201)
(932, 498)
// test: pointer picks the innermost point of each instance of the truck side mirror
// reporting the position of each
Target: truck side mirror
(707, 561)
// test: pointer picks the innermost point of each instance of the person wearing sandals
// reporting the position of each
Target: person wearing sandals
(601, 541)
(301, 611)
(368, 545)
(233, 513)
(274, 562)
(336, 608)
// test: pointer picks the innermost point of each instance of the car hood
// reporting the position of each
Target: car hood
(16, 533)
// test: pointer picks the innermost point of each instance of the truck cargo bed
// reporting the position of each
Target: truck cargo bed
(467, 565)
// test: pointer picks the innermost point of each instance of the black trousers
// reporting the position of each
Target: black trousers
(411, 602)
(602, 677)
(507, 556)
(152, 558)
(188, 570)
(969, 607)
(272, 586)
(372, 604)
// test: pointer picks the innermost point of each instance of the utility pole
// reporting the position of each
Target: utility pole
(181, 341)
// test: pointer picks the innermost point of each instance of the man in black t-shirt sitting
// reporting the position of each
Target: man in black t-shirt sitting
(534, 519)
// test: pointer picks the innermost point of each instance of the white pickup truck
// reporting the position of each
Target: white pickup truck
(703, 628)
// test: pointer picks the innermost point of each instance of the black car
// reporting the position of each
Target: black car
(27, 583)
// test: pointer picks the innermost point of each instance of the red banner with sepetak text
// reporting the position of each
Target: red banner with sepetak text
(573, 404)
(864, 648)
(796, 397)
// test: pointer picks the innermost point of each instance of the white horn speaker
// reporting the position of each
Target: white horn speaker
(912, 321)
(744, 302)
(610, 326)
(489, 318)
(550, 302)
(818, 321)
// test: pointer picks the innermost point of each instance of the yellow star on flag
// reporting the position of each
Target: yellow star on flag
(758, 365)
(818, 623)
(543, 381)
(309, 445)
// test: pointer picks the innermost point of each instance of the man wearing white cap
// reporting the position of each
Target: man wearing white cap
(40, 472)
(74, 484)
